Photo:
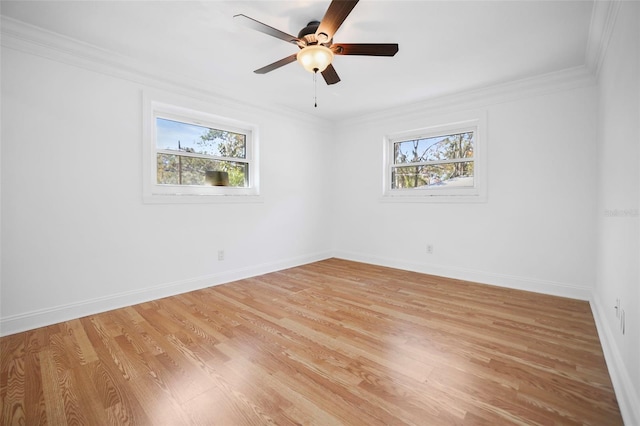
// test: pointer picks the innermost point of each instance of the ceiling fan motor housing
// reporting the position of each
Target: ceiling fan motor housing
(308, 34)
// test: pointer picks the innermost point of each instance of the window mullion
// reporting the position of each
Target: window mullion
(195, 155)
(432, 163)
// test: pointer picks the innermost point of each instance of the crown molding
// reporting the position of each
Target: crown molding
(568, 79)
(37, 41)
(603, 19)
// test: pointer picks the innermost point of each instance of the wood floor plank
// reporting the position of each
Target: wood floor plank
(328, 343)
(13, 399)
(54, 404)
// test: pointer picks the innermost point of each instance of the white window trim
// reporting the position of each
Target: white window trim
(475, 121)
(156, 106)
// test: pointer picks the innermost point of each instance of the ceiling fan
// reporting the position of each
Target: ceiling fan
(316, 42)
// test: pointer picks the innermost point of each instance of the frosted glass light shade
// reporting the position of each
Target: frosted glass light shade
(315, 58)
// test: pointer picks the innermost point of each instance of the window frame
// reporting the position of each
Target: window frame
(451, 125)
(197, 115)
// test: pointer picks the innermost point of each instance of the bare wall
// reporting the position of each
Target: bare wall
(535, 230)
(618, 234)
(76, 235)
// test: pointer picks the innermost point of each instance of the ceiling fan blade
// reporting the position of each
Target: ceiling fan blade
(334, 17)
(277, 64)
(330, 75)
(266, 29)
(367, 49)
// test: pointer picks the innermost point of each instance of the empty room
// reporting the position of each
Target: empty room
(320, 212)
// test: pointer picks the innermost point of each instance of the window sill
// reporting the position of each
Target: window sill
(202, 199)
(433, 198)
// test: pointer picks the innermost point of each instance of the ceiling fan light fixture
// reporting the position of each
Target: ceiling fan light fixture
(315, 58)
(316, 42)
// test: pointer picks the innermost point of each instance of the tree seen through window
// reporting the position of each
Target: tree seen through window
(185, 152)
(434, 161)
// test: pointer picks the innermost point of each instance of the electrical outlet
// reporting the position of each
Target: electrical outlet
(429, 248)
(220, 255)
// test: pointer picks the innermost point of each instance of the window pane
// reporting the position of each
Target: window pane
(177, 136)
(182, 170)
(448, 147)
(451, 175)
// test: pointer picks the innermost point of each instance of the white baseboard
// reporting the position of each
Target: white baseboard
(484, 277)
(56, 314)
(626, 393)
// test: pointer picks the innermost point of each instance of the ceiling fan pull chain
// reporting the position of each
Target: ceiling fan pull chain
(315, 89)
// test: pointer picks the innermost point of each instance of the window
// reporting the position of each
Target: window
(440, 163)
(433, 162)
(196, 155)
(186, 152)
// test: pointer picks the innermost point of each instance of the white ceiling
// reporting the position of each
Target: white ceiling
(445, 46)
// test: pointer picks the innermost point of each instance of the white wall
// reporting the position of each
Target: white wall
(76, 236)
(534, 232)
(618, 253)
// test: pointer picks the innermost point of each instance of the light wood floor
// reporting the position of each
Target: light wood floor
(333, 342)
